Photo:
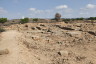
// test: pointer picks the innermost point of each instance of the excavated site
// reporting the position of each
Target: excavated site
(48, 43)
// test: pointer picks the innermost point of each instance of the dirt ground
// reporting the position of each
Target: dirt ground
(53, 43)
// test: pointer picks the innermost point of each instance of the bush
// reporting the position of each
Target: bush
(25, 20)
(2, 30)
(79, 18)
(3, 20)
(66, 20)
(35, 19)
(92, 18)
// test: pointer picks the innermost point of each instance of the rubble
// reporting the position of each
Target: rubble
(59, 43)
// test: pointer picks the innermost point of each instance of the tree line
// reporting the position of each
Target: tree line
(25, 20)
(72, 19)
(57, 18)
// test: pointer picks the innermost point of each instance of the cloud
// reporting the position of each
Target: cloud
(91, 6)
(61, 7)
(37, 11)
(64, 10)
(32, 9)
(88, 10)
(2, 11)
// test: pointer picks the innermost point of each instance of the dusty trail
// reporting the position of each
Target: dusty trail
(9, 42)
(18, 54)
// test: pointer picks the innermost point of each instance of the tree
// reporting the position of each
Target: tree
(25, 20)
(35, 19)
(81, 18)
(92, 18)
(3, 20)
(57, 16)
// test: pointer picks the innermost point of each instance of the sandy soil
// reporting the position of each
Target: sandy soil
(17, 53)
(49, 44)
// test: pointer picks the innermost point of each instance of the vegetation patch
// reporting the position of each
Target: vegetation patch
(35, 19)
(25, 20)
(3, 20)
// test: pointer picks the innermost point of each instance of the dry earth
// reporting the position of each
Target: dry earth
(53, 43)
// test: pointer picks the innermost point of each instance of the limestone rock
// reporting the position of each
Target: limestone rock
(63, 53)
(3, 52)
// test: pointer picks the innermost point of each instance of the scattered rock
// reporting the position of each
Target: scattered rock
(38, 28)
(48, 30)
(65, 45)
(92, 32)
(35, 37)
(63, 53)
(66, 28)
(3, 52)
(79, 58)
(26, 25)
(74, 33)
(42, 25)
(59, 42)
(32, 28)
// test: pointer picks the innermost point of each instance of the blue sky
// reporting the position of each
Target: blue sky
(13, 9)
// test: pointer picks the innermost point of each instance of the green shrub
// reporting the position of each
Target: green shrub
(92, 18)
(79, 18)
(25, 20)
(66, 20)
(3, 20)
(35, 19)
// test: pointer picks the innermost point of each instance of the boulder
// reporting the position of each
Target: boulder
(63, 53)
(39, 28)
(92, 32)
(3, 52)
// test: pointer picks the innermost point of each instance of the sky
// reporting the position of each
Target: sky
(15, 9)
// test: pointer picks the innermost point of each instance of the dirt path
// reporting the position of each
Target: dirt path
(18, 54)
(9, 42)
